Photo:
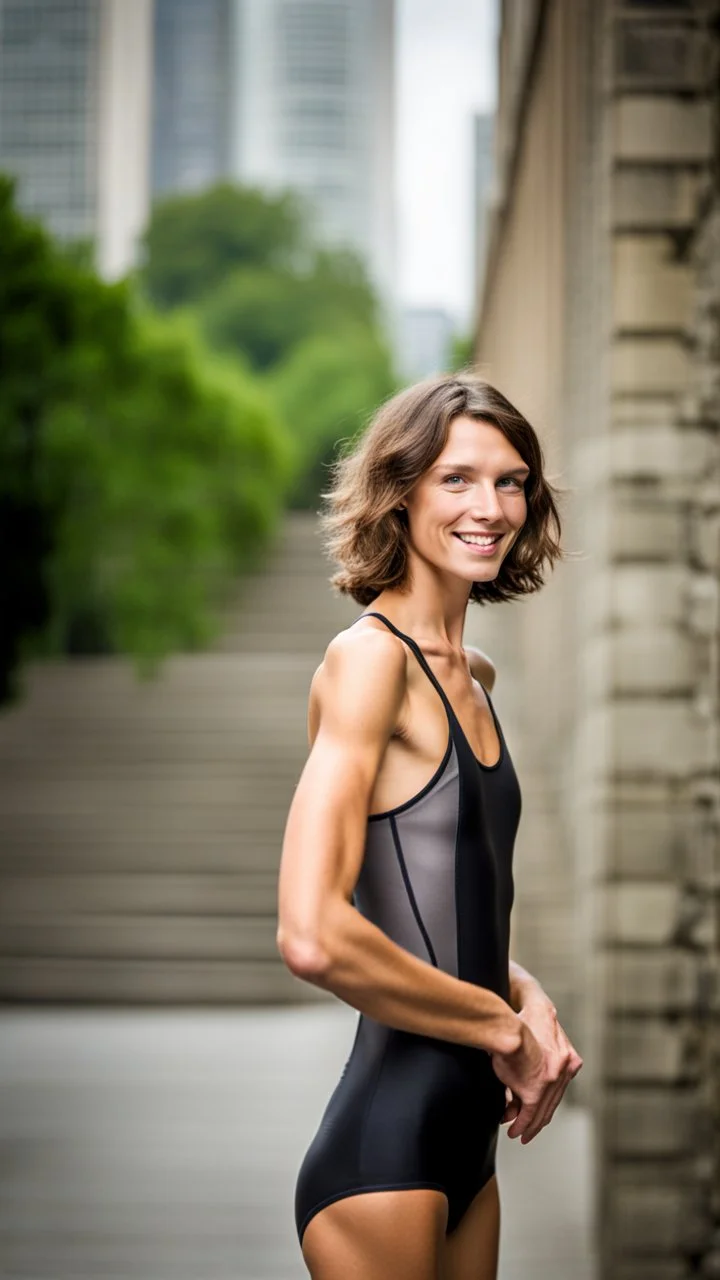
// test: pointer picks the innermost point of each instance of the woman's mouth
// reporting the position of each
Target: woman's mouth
(480, 544)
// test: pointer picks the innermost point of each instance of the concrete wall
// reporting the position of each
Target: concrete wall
(601, 316)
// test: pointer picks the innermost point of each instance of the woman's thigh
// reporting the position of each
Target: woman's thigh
(378, 1235)
(471, 1250)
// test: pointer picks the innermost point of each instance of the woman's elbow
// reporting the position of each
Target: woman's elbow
(304, 955)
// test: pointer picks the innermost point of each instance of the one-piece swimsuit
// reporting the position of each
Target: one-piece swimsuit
(413, 1110)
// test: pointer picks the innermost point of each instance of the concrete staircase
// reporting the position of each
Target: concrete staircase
(141, 823)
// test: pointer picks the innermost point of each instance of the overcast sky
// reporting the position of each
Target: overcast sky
(445, 72)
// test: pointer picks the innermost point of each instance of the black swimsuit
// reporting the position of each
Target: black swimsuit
(412, 1110)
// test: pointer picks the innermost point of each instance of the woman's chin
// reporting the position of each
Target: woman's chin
(482, 573)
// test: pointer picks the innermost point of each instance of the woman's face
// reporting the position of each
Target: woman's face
(467, 510)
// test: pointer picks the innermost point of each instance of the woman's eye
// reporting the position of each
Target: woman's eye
(449, 478)
(513, 480)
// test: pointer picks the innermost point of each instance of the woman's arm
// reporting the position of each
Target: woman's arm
(525, 989)
(359, 695)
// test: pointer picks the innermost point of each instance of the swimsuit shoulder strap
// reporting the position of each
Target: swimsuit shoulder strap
(413, 644)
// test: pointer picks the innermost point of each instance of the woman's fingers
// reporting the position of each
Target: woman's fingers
(543, 1112)
(550, 1100)
(526, 1114)
(573, 1067)
(527, 1121)
(522, 1120)
(512, 1106)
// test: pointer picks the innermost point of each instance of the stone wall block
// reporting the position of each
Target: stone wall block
(704, 605)
(648, 594)
(652, 364)
(651, 290)
(653, 409)
(662, 128)
(642, 453)
(654, 1218)
(645, 842)
(647, 531)
(654, 198)
(663, 981)
(648, 660)
(656, 1122)
(642, 913)
(667, 737)
(649, 1050)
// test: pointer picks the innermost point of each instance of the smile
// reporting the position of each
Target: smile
(482, 542)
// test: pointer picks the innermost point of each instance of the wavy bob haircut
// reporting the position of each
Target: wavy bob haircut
(367, 536)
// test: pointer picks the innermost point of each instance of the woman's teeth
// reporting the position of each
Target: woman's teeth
(479, 540)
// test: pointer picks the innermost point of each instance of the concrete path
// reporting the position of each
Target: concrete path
(163, 1145)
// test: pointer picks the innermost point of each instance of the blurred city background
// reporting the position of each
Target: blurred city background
(228, 230)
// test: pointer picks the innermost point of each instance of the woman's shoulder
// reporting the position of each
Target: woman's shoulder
(363, 661)
(364, 650)
(482, 668)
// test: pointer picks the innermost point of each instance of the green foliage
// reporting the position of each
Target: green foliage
(257, 313)
(193, 241)
(245, 260)
(172, 468)
(263, 313)
(305, 317)
(138, 474)
(326, 391)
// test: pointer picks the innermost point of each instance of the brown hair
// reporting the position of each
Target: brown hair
(367, 536)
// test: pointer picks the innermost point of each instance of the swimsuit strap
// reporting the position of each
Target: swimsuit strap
(420, 657)
(452, 718)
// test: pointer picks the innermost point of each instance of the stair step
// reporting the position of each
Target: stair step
(123, 893)
(113, 981)
(141, 822)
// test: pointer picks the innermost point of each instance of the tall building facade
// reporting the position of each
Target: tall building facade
(484, 168)
(315, 112)
(424, 341)
(75, 79)
(600, 318)
(193, 94)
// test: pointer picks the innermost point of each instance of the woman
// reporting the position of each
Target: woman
(396, 879)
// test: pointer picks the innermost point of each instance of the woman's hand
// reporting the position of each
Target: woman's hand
(536, 1075)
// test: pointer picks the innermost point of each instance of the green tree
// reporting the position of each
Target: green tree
(327, 389)
(256, 313)
(192, 242)
(262, 313)
(171, 467)
(305, 316)
(138, 474)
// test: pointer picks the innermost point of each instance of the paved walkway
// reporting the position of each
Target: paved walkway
(163, 1145)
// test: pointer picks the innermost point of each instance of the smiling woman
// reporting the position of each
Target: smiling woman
(396, 880)
(410, 438)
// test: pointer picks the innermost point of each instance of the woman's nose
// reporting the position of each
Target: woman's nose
(485, 504)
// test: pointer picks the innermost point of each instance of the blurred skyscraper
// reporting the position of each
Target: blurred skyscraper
(104, 101)
(315, 112)
(193, 94)
(424, 341)
(483, 134)
(75, 80)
